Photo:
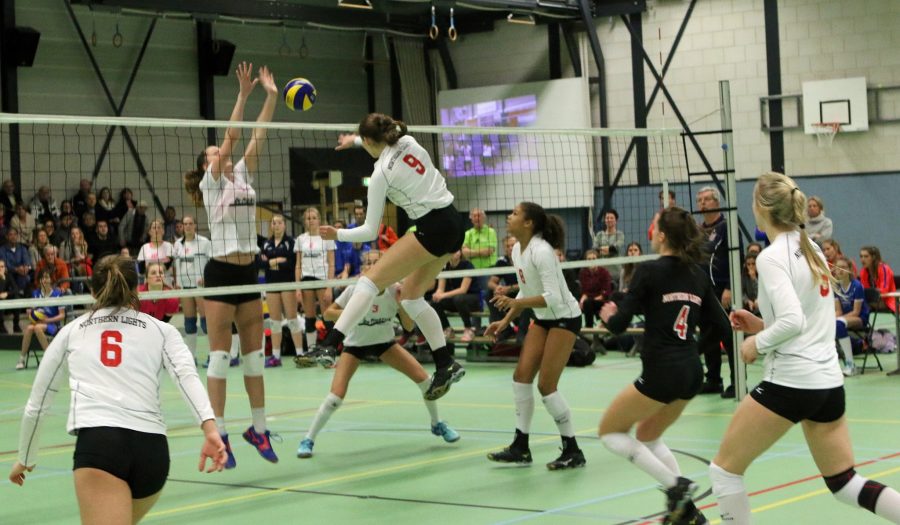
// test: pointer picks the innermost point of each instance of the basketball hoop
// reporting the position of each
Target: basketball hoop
(825, 132)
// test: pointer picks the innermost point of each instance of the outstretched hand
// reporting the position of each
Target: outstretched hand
(213, 449)
(17, 474)
(345, 141)
(245, 78)
(267, 80)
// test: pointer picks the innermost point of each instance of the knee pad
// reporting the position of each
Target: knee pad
(219, 362)
(414, 307)
(851, 488)
(366, 284)
(203, 325)
(190, 325)
(294, 325)
(310, 324)
(254, 363)
(725, 483)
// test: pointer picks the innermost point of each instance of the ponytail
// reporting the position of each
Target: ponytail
(381, 128)
(550, 226)
(115, 283)
(193, 177)
(683, 236)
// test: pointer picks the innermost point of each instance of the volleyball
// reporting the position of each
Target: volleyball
(38, 315)
(299, 93)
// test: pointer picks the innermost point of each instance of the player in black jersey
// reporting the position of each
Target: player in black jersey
(675, 297)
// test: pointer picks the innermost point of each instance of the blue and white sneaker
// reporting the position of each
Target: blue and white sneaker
(262, 443)
(443, 430)
(305, 448)
(235, 362)
(231, 462)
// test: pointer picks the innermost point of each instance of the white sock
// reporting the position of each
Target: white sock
(358, 306)
(235, 345)
(621, 444)
(191, 341)
(430, 405)
(259, 419)
(847, 349)
(523, 394)
(662, 453)
(311, 339)
(220, 425)
(556, 404)
(328, 407)
(734, 504)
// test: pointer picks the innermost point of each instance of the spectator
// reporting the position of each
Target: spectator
(634, 249)
(877, 274)
(102, 243)
(346, 259)
(570, 274)
(133, 227)
(66, 223)
(169, 219)
(386, 235)
(50, 317)
(162, 309)
(818, 226)
(55, 236)
(750, 284)
(123, 206)
(609, 235)
(40, 240)
(457, 294)
(9, 199)
(832, 250)
(76, 254)
(850, 308)
(80, 199)
(596, 287)
(661, 207)
(716, 232)
(105, 206)
(57, 268)
(179, 230)
(359, 216)
(8, 292)
(754, 248)
(155, 249)
(480, 242)
(18, 261)
(502, 285)
(23, 221)
(43, 207)
(88, 223)
(65, 208)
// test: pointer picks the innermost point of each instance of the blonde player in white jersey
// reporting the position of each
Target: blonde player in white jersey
(372, 337)
(802, 381)
(545, 352)
(226, 190)
(404, 174)
(113, 356)
(315, 262)
(191, 254)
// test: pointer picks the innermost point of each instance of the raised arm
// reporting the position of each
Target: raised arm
(246, 85)
(251, 155)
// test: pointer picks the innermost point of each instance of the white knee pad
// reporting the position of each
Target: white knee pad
(294, 325)
(254, 363)
(414, 307)
(365, 283)
(219, 362)
(725, 483)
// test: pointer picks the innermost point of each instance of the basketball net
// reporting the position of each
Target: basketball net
(825, 133)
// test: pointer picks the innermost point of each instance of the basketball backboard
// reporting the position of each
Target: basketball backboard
(840, 100)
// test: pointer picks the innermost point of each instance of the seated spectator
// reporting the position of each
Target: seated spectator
(634, 249)
(102, 243)
(661, 208)
(850, 308)
(24, 222)
(88, 223)
(80, 199)
(596, 288)
(155, 249)
(125, 203)
(76, 254)
(346, 259)
(9, 199)
(818, 226)
(754, 248)
(39, 241)
(570, 274)
(458, 294)
(832, 250)
(66, 222)
(609, 236)
(43, 207)
(170, 218)
(58, 269)
(877, 274)
(45, 320)
(133, 228)
(503, 284)
(18, 261)
(105, 206)
(55, 236)
(8, 292)
(162, 309)
(66, 208)
(750, 284)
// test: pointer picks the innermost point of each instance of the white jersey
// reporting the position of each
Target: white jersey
(377, 326)
(151, 254)
(404, 174)
(313, 255)
(798, 312)
(190, 259)
(539, 273)
(113, 359)
(231, 209)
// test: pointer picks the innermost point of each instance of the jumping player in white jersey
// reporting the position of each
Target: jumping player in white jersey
(802, 381)
(192, 252)
(405, 174)
(113, 356)
(542, 287)
(226, 190)
(315, 262)
(372, 337)
(675, 296)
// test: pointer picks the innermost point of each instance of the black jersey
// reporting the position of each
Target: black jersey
(285, 271)
(675, 298)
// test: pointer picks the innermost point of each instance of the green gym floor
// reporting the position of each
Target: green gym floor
(377, 462)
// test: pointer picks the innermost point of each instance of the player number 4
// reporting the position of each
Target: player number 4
(110, 351)
(681, 322)
(415, 164)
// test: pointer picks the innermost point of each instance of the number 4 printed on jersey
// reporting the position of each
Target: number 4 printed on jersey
(681, 322)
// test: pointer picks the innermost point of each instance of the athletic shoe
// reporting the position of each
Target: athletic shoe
(728, 393)
(691, 516)
(324, 355)
(570, 458)
(230, 462)
(262, 443)
(442, 379)
(20, 365)
(711, 388)
(849, 369)
(468, 335)
(677, 499)
(304, 361)
(511, 454)
(235, 362)
(305, 448)
(273, 362)
(441, 429)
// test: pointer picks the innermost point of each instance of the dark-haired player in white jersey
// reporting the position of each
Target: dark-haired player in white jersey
(545, 352)
(113, 356)
(372, 337)
(226, 190)
(675, 297)
(404, 174)
(802, 382)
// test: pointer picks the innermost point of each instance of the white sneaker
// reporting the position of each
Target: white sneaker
(20, 365)
(849, 369)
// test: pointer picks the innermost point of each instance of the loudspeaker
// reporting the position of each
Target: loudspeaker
(222, 52)
(22, 44)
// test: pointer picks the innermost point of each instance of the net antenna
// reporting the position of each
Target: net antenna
(825, 133)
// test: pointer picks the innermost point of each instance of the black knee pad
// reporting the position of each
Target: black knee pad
(838, 481)
(310, 324)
